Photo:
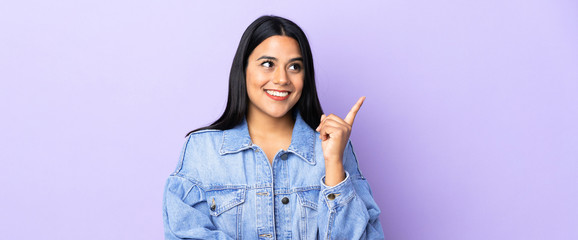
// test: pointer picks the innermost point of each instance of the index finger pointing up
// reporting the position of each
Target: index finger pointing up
(351, 115)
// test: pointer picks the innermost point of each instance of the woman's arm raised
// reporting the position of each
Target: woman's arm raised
(334, 133)
(347, 209)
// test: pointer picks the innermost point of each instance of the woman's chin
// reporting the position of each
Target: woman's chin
(278, 113)
(270, 111)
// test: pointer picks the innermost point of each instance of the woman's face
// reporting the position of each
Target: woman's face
(275, 76)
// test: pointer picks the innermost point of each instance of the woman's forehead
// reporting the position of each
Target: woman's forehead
(279, 47)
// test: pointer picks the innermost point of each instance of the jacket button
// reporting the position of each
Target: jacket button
(213, 205)
(284, 156)
(285, 200)
(331, 196)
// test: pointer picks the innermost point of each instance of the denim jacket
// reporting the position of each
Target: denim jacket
(225, 188)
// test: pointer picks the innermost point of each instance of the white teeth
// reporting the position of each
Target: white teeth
(278, 94)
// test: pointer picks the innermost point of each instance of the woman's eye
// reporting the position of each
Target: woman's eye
(295, 67)
(267, 64)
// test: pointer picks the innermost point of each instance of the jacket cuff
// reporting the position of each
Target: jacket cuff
(339, 194)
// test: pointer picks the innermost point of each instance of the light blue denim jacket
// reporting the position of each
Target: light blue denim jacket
(225, 188)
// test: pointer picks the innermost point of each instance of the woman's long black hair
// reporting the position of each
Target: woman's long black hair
(237, 102)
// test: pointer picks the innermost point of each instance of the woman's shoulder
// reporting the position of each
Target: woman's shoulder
(204, 132)
(199, 146)
(204, 137)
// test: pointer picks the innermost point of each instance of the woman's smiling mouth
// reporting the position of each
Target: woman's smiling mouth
(277, 95)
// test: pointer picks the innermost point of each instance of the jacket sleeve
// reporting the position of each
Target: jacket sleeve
(347, 210)
(185, 212)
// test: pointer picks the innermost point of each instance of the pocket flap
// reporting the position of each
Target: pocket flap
(308, 198)
(223, 199)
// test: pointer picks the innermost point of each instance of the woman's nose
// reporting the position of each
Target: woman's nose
(280, 77)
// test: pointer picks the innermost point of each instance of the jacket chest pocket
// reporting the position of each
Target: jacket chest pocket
(308, 204)
(225, 206)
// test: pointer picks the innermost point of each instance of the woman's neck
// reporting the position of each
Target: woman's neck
(264, 127)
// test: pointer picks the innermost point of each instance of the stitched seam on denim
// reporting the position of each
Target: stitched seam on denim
(190, 189)
(272, 176)
(282, 191)
(225, 148)
(258, 187)
(342, 183)
(333, 204)
(227, 207)
(239, 218)
(182, 160)
(357, 177)
(303, 224)
(188, 178)
(301, 189)
(261, 186)
(225, 187)
(345, 201)
(221, 151)
(330, 224)
(235, 151)
(289, 190)
(311, 162)
(303, 202)
(287, 222)
(326, 202)
(238, 200)
(355, 157)
(187, 193)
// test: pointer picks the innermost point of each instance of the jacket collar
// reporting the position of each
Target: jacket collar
(302, 140)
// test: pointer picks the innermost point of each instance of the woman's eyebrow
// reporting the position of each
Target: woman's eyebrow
(275, 59)
(267, 57)
(296, 59)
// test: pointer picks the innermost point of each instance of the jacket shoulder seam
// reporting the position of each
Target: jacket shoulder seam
(205, 131)
(194, 183)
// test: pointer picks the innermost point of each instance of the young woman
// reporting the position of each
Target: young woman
(261, 171)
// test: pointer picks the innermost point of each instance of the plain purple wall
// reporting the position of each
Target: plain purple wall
(469, 130)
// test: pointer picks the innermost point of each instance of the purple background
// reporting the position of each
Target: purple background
(469, 130)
